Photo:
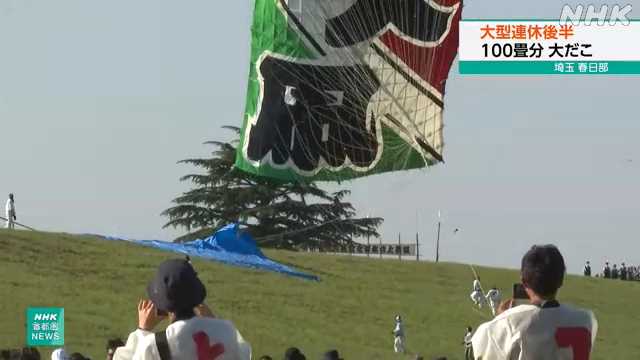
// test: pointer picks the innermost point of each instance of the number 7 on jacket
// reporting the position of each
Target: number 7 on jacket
(577, 338)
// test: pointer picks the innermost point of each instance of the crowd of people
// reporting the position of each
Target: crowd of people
(20, 354)
(294, 353)
(30, 353)
(622, 272)
(176, 294)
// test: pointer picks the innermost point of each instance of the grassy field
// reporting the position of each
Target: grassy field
(351, 308)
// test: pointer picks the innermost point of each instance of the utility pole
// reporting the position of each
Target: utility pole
(417, 247)
(438, 240)
(368, 242)
(399, 248)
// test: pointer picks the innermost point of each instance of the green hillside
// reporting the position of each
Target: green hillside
(351, 309)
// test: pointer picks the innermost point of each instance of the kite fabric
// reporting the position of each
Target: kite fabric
(230, 246)
(341, 89)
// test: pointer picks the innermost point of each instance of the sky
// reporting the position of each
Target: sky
(100, 99)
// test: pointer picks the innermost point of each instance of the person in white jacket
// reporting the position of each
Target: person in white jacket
(10, 212)
(476, 294)
(543, 329)
(494, 298)
(468, 353)
(194, 333)
(398, 336)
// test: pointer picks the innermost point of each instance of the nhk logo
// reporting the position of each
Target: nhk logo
(52, 317)
(589, 14)
(45, 326)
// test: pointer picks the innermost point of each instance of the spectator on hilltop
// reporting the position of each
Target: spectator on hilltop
(587, 269)
(614, 271)
(294, 353)
(623, 272)
(177, 294)
(606, 272)
(543, 329)
(112, 345)
(10, 212)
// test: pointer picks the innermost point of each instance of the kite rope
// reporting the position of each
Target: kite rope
(21, 225)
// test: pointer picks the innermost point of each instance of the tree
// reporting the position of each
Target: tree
(277, 214)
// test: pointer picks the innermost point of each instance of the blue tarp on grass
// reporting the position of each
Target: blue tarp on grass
(230, 246)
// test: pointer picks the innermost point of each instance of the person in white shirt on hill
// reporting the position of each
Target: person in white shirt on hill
(10, 212)
(493, 298)
(468, 354)
(543, 329)
(176, 293)
(398, 336)
(476, 295)
(587, 269)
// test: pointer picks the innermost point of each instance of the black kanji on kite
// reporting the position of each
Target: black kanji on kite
(311, 112)
(417, 19)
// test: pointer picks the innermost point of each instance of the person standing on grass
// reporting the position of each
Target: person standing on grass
(587, 269)
(476, 295)
(398, 336)
(10, 212)
(623, 272)
(176, 293)
(494, 298)
(468, 350)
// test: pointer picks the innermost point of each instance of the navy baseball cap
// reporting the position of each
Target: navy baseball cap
(176, 287)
